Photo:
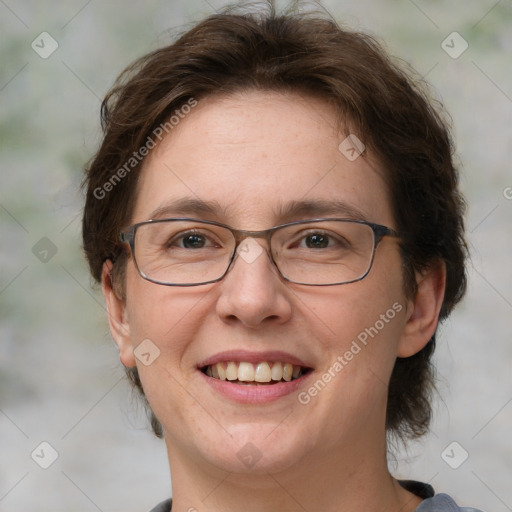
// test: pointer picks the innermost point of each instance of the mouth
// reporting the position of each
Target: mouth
(251, 377)
(263, 373)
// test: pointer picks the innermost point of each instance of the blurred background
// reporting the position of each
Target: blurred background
(60, 379)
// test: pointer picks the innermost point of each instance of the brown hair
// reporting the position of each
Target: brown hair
(384, 105)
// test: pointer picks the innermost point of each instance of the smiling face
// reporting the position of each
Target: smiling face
(255, 160)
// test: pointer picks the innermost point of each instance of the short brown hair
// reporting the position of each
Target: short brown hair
(385, 106)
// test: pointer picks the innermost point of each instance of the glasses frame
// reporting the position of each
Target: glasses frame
(127, 236)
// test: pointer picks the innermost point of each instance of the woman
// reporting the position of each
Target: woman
(275, 221)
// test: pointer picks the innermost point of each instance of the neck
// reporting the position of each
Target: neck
(331, 481)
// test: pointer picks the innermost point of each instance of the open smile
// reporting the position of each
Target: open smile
(245, 373)
(254, 377)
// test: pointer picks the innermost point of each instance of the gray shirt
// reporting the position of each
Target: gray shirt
(431, 502)
(442, 503)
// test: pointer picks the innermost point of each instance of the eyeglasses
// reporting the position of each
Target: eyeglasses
(316, 252)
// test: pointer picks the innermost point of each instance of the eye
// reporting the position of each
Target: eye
(190, 240)
(193, 241)
(316, 241)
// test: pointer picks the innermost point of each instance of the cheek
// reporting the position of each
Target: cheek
(359, 335)
(168, 316)
(164, 322)
(359, 326)
(173, 320)
(351, 387)
(374, 306)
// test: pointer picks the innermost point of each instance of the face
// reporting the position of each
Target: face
(251, 156)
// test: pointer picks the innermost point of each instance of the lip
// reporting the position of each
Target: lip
(254, 394)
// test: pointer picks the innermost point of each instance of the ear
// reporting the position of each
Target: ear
(117, 318)
(423, 310)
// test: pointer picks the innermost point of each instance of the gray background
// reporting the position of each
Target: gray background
(60, 379)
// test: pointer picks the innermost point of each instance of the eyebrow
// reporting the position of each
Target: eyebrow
(293, 210)
(186, 206)
(319, 208)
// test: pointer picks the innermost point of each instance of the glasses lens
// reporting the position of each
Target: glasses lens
(182, 252)
(325, 252)
(315, 253)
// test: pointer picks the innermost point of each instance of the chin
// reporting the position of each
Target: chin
(254, 449)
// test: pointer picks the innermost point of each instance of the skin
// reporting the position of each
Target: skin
(254, 152)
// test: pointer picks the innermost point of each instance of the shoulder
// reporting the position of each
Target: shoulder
(164, 506)
(438, 503)
(442, 503)
(433, 502)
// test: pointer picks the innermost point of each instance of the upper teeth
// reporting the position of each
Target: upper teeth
(248, 372)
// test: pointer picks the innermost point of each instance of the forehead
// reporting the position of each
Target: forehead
(256, 158)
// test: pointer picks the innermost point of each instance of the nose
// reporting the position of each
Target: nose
(253, 292)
